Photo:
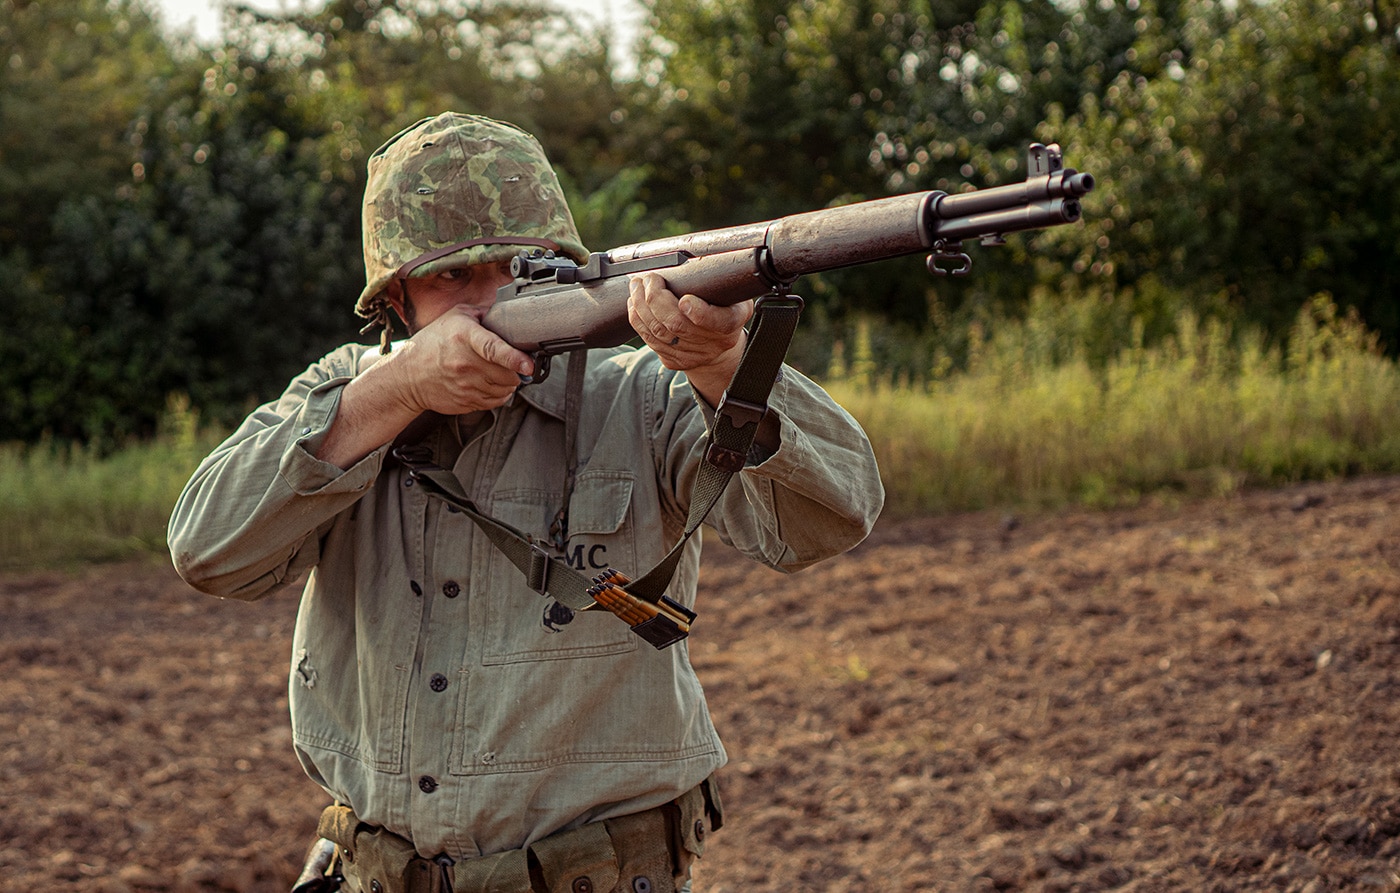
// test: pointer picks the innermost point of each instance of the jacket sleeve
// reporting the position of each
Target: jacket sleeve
(817, 496)
(247, 521)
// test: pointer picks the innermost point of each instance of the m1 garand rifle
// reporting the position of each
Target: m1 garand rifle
(554, 305)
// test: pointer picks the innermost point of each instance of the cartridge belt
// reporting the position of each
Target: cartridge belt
(645, 852)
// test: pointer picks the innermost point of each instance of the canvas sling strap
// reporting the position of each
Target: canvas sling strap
(641, 602)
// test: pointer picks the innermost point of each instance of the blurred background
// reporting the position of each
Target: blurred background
(180, 189)
(203, 19)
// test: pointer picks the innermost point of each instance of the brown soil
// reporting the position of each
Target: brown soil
(1195, 698)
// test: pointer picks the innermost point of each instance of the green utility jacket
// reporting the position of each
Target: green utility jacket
(430, 688)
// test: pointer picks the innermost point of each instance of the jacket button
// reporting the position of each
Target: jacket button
(699, 830)
(641, 884)
(451, 589)
(376, 887)
(427, 784)
(438, 682)
(583, 885)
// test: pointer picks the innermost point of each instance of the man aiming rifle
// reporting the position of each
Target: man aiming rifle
(470, 529)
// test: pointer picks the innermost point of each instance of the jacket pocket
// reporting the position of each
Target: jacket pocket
(521, 625)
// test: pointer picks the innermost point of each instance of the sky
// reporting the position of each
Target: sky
(202, 16)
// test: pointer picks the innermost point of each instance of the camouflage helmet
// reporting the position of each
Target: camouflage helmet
(453, 191)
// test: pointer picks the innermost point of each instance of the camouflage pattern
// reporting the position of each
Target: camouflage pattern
(451, 179)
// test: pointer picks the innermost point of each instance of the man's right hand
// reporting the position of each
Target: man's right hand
(452, 366)
(455, 366)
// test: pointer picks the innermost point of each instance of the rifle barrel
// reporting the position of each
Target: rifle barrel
(847, 235)
(1007, 220)
(1060, 184)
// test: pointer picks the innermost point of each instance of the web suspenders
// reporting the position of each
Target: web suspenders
(641, 603)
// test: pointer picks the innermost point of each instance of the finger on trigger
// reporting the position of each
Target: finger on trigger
(500, 353)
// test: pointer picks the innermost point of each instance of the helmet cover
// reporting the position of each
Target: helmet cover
(458, 178)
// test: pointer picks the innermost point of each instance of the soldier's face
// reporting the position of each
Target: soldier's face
(429, 297)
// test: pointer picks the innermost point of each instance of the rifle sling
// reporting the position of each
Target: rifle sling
(731, 437)
(737, 418)
(545, 573)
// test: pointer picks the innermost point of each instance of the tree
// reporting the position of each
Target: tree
(384, 64)
(1260, 166)
(204, 239)
(767, 107)
(73, 74)
(76, 72)
(228, 260)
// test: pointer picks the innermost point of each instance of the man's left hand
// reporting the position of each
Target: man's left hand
(703, 340)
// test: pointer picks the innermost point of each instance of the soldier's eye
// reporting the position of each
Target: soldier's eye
(459, 273)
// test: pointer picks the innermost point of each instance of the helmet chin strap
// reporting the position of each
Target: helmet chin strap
(379, 315)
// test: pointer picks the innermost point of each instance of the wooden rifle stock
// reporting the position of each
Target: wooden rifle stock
(554, 305)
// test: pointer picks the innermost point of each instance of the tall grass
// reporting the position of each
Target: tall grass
(1034, 420)
(65, 506)
(1205, 412)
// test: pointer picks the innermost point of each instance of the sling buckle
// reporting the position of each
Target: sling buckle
(736, 415)
(538, 577)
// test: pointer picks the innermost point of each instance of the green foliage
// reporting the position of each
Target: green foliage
(183, 220)
(72, 74)
(613, 214)
(63, 505)
(1261, 163)
(215, 269)
(744, 88)
(1207, 411)
(212, 245)
(787, 105)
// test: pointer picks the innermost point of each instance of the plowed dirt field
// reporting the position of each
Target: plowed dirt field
(1201, 697)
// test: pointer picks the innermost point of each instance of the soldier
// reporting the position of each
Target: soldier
(475, 737)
